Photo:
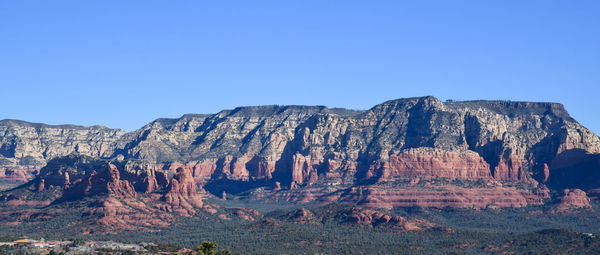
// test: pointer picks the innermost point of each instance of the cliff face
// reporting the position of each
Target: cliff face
(119, 194)
(299, 145)
(308, 148)
(26, 147)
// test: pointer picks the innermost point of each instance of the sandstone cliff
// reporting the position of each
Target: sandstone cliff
(313, 153)
(26, 147)
(301, 145)
(117, 195)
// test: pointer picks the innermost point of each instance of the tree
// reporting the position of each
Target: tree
(225, 252)
(207, 248)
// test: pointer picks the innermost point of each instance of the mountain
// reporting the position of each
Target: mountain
(402, 153)
(26, 147)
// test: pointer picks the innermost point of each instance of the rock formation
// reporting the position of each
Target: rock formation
(441, 196)
(26, 147)
(371, 218)
(119, 194)
(357, 216)
(302, 216)
(182, 194)
(572, 199)
(404, 152)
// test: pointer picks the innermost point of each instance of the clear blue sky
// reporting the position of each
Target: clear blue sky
(124, 63)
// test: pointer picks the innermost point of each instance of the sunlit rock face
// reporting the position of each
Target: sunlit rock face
(406, 138)
(115, 194)
(26, 147)
(405, 152)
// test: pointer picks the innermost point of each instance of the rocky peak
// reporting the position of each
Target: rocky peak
(182, 194)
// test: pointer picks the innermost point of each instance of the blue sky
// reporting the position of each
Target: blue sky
(124, 63)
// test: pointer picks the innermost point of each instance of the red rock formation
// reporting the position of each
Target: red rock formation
(545, 173)
(238, 168)
(182, 196)
(510, 167)
(103, 182)
(368, 217)
(114, 184)
(245, 213)
(229, 166)
(235, 168)
(398, 145)
(439, 196)
(296, 195)
(261, 167)
(572, 199)
(41, 185)
(277, 186)
(421, 224)
(433, 163)
(204, 169)
(304, 168)
(302, 216)
(118, 214)
(143, 177)
(18, 174)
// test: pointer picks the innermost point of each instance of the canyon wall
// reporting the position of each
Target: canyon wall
(296, 147)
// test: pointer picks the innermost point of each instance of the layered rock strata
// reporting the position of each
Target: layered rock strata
(572, 199)
(317, 149)
(119, 194)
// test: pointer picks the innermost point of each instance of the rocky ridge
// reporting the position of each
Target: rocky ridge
(405, 152)
(26, 147)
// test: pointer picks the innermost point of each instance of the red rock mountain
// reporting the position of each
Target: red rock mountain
(405, 152)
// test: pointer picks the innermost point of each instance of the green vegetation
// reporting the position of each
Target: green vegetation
(461, 231)
(517, 220)
(209, 248)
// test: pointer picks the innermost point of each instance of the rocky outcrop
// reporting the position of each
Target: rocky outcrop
(182, 195)
(371, 218)
(355, 216)
(302, 216)
(106, 181)
(244, 213)
(572, 199)
(118, 214)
